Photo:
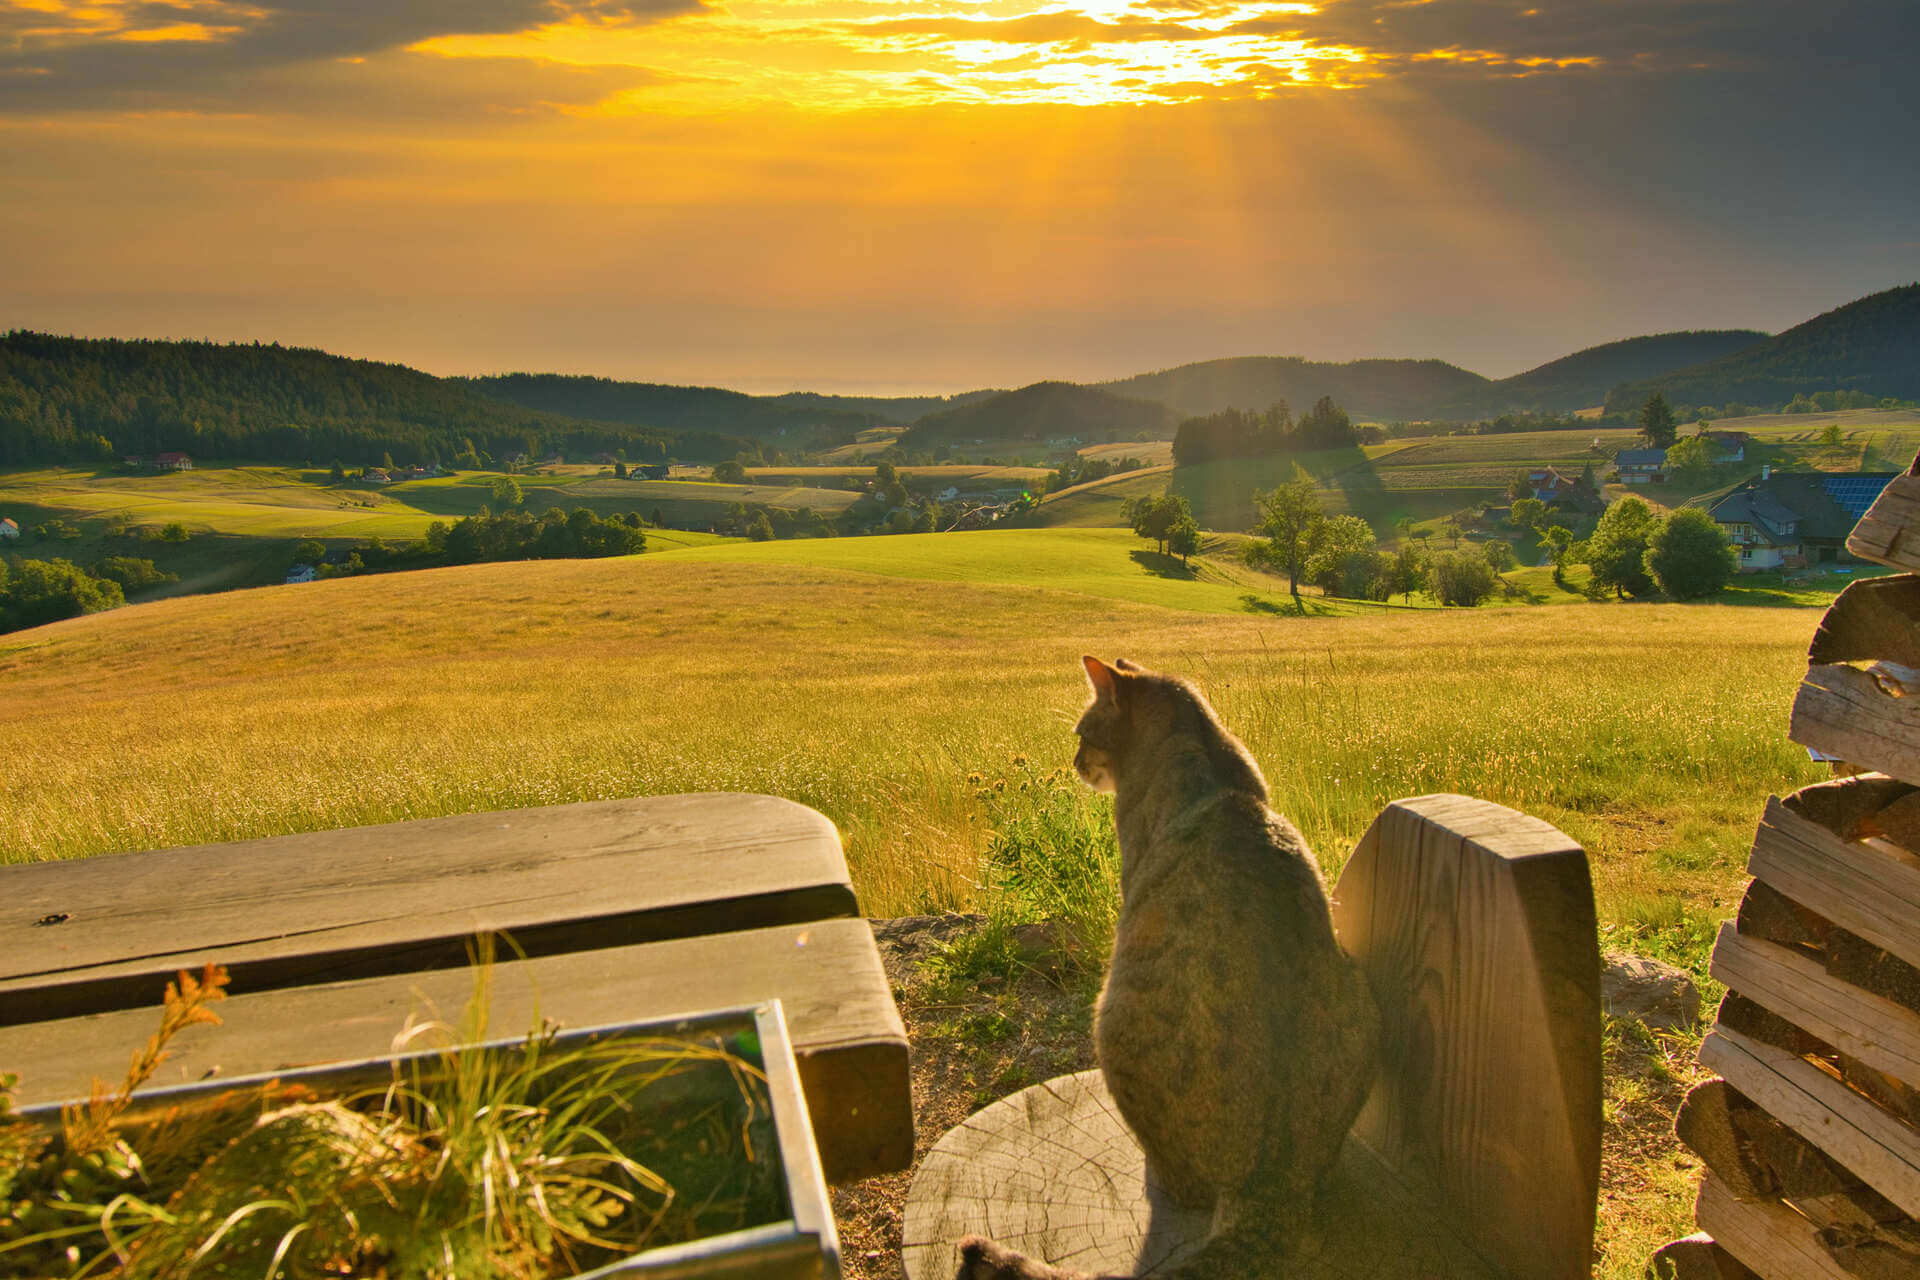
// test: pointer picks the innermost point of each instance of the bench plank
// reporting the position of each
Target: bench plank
(407, 896)
(847, 1036)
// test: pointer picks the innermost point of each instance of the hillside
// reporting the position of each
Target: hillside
(1870, 345)
(73, 399)
(793, 415)
(791, 422)
(1045, 410)
(1379, 389)
(1584, 378)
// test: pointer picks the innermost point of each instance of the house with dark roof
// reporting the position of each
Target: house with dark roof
(1639, 466)
(1793, 519)
(1728, 446)
(1558, 489)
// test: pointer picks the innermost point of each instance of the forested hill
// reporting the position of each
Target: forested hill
(69, 399)
(1584, 378)
(1043, 411)
(900, 409)
(1383, 389)
(1871, 345)
(792, 421)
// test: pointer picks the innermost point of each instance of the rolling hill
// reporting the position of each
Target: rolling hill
(88, 399)
(1042, 411)
(797, 422)
(1870, 345)
(1584, 378)
(1380, 389)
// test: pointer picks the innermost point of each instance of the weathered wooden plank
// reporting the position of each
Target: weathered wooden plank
(1890, 531)
(1696, 1257)
(1843, 712)
(1875, 619)
(1476, 927)
(408, 896)
(1767, 1236)
(1863, 887)
(1877, 1031)
(847, 1035)
(1882, 1151)
(1054, 1172)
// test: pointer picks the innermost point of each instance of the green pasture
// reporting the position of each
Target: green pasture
(1108, 564)
(1101, 503)
(955, 473)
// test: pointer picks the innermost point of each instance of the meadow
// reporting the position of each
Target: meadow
(912, 709)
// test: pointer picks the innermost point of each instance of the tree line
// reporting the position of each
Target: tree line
(1240, 433)
(1633, 551)
(36, 592)
(91, 400)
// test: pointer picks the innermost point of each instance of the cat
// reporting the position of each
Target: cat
(1237, 1039)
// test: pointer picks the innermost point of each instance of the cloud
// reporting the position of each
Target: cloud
(209, 54)
(1628, 34)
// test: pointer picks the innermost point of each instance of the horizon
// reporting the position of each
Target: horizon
(926, 196)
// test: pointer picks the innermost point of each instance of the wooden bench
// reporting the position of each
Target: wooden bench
(1478, 1154)
(624, 910)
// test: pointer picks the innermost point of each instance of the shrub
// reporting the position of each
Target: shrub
(1461, 578)
(1689, 556)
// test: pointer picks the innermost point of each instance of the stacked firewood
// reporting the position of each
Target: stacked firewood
(1811, 1135)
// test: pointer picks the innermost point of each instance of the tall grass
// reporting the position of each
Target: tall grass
(1652, 734)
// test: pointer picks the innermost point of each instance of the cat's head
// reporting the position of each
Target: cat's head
(1128, 704)
(1135, 713)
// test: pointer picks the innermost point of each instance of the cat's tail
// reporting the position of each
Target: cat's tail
(1249, 1251)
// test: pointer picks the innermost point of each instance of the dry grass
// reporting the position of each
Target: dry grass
(1652, 734)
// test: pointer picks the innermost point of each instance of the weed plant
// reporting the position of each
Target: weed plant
(518, 1164)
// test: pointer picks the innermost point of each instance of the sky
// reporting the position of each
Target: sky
(924, 195)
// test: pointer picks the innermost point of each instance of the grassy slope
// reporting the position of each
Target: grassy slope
(874, 696)
(1109, 564)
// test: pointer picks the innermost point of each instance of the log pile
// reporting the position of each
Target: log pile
(1811, 1135)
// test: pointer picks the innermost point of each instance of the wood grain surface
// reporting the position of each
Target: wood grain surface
(1767, 1236)
(1890, 531)
(1476, 927)
(847, 1035)
(1866, 888)
(1843, 712)
(1880, 1033)
(1054, 1172)
(1875, 1146)
(98, 934)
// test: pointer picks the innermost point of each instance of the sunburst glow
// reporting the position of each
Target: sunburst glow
(855, 53)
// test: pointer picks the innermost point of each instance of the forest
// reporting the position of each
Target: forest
(81, 400)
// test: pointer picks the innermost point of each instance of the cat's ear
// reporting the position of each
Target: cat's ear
(1105, 682)
(1121, 664)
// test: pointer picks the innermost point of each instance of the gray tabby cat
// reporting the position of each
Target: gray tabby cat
(1236, 1037)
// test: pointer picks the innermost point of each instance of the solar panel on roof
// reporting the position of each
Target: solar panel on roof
(1854, 493)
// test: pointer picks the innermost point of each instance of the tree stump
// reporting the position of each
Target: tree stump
(1053, 1171)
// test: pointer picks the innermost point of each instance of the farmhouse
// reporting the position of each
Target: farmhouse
(1638, 466)
(1789, 520)
(8, 529)
(1728, 446)
(173, 462)
(1557, 489)
(302, 573)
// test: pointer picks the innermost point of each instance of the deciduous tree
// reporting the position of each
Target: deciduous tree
(1618, 548)
(1290, 518)
(1689, 556)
